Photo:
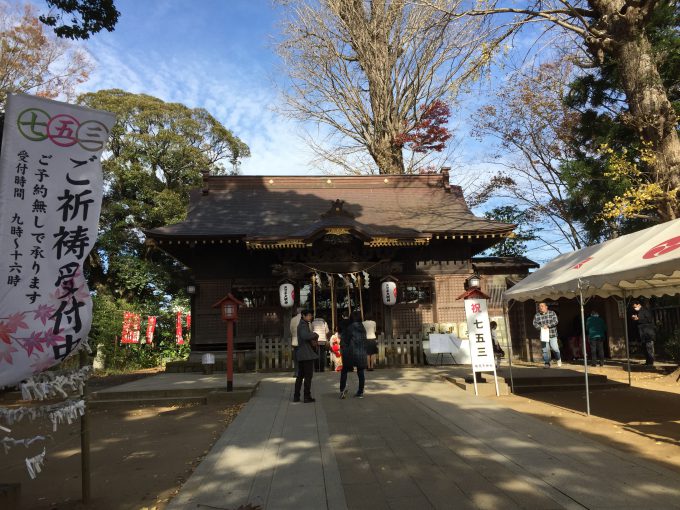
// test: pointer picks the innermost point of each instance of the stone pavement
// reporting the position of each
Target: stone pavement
(185, 381)
(414, 442)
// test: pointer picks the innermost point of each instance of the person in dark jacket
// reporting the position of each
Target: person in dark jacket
(353, 348)
(343, 324)
(306, 354)
(647, 330)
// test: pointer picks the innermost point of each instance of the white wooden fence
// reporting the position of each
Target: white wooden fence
(275, 354)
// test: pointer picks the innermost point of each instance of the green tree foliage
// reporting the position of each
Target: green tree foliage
(515, 246)
(609, 159)
(106, 331)
(87, 17)
(157, 151)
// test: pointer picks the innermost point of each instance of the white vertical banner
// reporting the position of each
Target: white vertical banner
(50, 198)
(479, 333)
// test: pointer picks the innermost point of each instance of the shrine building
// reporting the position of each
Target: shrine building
(334, 240)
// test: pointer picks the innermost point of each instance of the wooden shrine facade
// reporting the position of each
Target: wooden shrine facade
(334, 238)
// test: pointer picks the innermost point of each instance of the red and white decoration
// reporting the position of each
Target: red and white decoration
(150, 328)
(131, 326)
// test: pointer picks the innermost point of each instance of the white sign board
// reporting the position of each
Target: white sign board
(50, 200)
(443, 344)
(479, 333)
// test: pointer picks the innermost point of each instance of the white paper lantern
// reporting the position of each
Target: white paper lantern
(389, 293)
(287, 295)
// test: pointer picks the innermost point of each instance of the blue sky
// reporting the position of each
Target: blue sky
(220, 55)
(217, 55)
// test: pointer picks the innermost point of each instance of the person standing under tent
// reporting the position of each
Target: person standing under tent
(597, 332)
(353, 347)
(371, 341)
(647, 329)
(306, 354)
(320, 327)
(294, 321)
(546, 322)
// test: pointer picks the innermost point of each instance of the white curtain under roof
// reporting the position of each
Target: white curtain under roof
(645, 263)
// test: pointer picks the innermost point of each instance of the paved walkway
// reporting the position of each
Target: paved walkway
(414, 442)
(185, 381)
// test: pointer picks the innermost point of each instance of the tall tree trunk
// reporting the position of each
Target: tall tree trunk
(387, 155)
(371, 27)
(651, 111)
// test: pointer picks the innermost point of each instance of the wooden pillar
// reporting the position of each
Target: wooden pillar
(388, 320)
(230, 355)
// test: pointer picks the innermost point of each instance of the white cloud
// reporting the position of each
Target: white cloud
(240, 98)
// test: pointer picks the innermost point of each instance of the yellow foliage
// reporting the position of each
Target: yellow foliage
(642, 195)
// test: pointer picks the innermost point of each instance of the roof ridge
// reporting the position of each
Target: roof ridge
(325, 181)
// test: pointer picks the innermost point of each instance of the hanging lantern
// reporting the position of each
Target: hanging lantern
(287, 295)
(389, 293)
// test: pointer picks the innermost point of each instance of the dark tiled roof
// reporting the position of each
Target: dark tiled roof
(276, 207)
(496, 262)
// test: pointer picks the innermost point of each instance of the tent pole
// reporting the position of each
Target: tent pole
(585, 352)
(507, 332)
(625, 328)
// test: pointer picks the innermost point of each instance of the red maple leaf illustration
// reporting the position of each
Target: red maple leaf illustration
(5, 333)
(31, 343)
(6, 351)
(50, 339)
(16, 321)
(43, 313)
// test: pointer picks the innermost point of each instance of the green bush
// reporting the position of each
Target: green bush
(106, 329)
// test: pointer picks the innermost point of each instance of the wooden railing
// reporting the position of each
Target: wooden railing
(405, 351)
(275, 354)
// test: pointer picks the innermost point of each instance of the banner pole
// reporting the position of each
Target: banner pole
(585, 352)
(85, 438)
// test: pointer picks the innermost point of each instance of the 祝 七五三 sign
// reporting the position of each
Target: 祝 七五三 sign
(50, 200)
(479, 333)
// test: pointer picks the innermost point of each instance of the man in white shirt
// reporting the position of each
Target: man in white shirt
(320, 327)
(294, 339)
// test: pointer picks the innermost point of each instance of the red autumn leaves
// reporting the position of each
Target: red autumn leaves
(430, 132)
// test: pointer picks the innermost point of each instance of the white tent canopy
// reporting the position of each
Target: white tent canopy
(645, 263)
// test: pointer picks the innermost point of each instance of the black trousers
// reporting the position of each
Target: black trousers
(648, 349)
(320, 363)
(305, 373)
